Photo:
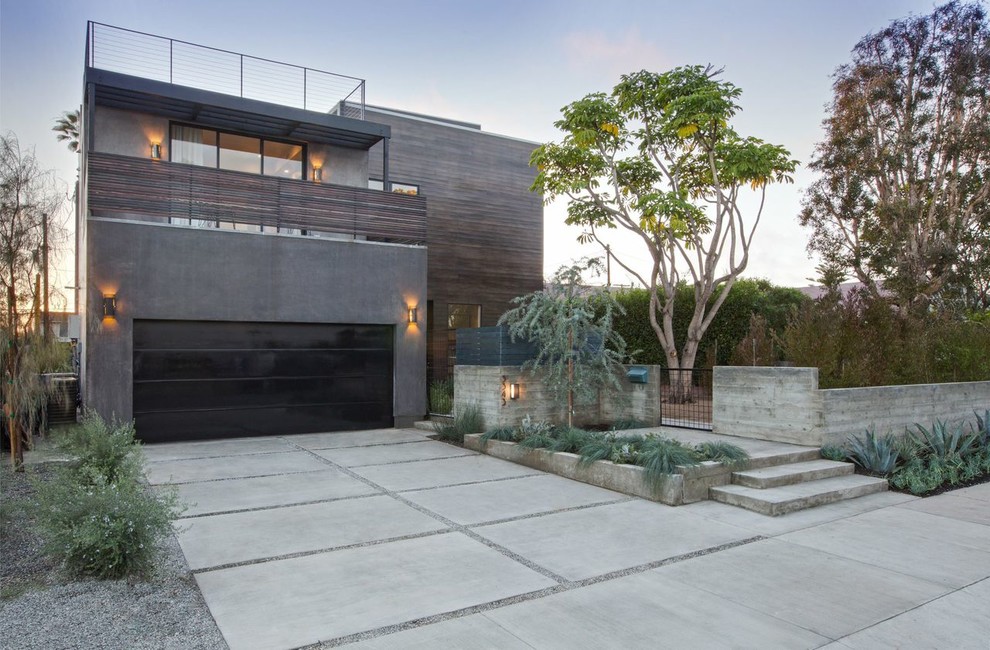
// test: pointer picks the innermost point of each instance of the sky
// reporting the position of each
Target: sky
(509, 65)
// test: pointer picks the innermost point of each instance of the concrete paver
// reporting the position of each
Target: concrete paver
(475, 632)
(646, 611)
(269, 491)
(484, 502)
(214, 448)
(337, 439)
(383, 454)
(955, 506)
(318, 548)
(259, 534)
(934, 548)
(288, 603)
(827, 594)
(448, 471)
(958, 620)
(211, 469)
(594, 541)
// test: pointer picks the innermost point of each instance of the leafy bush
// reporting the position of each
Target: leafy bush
(441, 396)
(529, 427)
(95, 515)
(102, 529)
(102, 450)
(626, 424)
(721, 452)
(874, 454)
(661, 457)
(606, 447)
(506, 434)
(570, 440)
(834, 452)
(467, 420)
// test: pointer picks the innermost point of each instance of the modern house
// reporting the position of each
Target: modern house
(261, 253)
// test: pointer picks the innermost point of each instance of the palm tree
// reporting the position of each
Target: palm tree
(67, 128)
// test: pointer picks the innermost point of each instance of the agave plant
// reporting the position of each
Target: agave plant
(721, 452)
(874, 454)
(943, 441)
(982, 430)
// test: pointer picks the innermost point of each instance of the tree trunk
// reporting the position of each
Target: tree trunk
(570, 381)
(682, 375)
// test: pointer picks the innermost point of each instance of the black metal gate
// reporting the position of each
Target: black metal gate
(686, 398)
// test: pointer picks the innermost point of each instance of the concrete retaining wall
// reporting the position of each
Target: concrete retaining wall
(786, 405)
(484, 385)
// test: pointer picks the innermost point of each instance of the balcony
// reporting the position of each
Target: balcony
(168, 60)
(138, 188)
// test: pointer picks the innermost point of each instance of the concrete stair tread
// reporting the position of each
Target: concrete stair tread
(788, 498)
(791, 473)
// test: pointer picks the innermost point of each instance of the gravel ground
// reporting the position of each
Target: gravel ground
(42, 608)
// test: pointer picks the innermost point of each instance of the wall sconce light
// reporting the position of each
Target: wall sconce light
(413, 315)
(317, 174)
(513, 391)
(110, 306)
(156, 151)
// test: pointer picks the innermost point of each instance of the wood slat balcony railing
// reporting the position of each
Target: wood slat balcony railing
(130, 187)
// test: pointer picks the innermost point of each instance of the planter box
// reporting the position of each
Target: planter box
(688, 485)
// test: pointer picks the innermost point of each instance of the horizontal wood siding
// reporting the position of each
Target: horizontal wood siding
(123, 185)
(484, 225)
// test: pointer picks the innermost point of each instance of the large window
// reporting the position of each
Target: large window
(397, 188)
(461, 315)
(210, 148)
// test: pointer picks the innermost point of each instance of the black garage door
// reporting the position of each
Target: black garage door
(205, 379)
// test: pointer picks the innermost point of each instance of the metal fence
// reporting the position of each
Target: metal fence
(197, 66)
(686, 398)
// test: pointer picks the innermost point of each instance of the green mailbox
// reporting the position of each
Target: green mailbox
(638, 375)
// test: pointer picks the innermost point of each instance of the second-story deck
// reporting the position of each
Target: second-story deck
(157, 190)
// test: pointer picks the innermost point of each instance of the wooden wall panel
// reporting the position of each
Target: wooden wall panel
(484, 224)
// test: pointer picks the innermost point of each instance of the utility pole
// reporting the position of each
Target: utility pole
(46, 319)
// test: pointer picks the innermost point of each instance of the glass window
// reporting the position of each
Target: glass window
(194, 146)
(283, 160)
(240, 153)
(397, 188)
(460, 315)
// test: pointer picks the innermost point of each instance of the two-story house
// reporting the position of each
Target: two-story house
(261, 253)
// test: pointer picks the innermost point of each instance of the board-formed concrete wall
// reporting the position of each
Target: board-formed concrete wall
(483, 386)
(786, 405)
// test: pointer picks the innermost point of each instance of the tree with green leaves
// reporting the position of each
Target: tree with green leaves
(579, 353)
(657, 157)
(902, 198)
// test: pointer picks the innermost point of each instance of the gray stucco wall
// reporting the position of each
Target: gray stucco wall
(159, 271)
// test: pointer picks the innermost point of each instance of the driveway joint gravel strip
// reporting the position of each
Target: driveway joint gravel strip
(543, 513)
(279, 506)
(238, 478)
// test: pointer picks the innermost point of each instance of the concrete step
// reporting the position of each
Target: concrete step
(794, 454)
(425, 425)
(788, 498)
(792, 473)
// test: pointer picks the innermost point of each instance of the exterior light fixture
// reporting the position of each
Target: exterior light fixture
(317, 174)
(156, 151)
(413, 316)
(110, 306)
(513, 391)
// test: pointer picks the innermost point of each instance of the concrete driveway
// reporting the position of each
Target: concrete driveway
(386, 539)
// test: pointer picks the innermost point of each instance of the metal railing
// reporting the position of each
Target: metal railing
(156, 190)
(208, 68)
(686, 398)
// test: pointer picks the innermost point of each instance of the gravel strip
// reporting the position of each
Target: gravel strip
(41, 607)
